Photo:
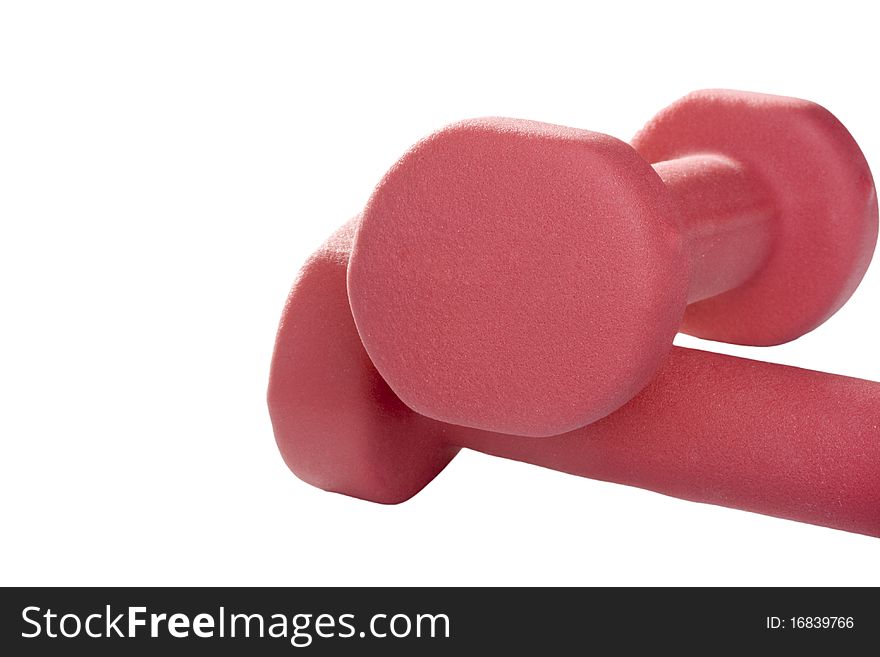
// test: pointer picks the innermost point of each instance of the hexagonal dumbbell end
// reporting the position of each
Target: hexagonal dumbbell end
(338, 425)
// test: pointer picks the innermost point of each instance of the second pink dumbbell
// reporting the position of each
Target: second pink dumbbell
(711, 428)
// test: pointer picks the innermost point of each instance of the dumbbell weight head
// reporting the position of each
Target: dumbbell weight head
(338, 425)
(513, 274)
(825, 202)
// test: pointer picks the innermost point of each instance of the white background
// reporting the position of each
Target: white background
(165, 168)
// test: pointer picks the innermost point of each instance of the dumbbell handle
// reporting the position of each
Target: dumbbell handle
(726, 217)
(776, 440)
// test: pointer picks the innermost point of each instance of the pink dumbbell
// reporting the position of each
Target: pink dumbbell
(711, 428)
(527, 278)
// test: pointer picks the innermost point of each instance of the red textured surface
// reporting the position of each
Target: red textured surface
(711, 428)
(525, 278)
(518, 276)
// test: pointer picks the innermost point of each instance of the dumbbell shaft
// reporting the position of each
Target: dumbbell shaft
(726, 218)
(776, 440)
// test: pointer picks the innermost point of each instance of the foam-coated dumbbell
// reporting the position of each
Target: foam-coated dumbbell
(711, 428)
(528, 278)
